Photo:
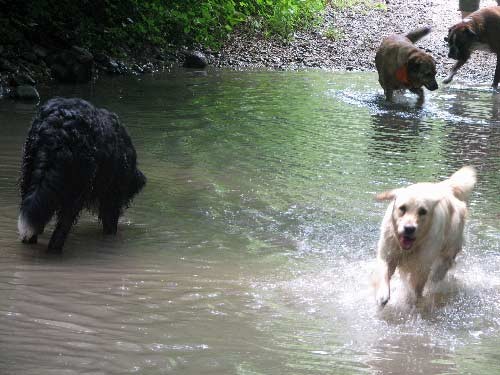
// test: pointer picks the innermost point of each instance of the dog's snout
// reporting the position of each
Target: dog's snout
(409, 229)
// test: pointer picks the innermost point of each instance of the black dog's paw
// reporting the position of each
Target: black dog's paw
(31, 240)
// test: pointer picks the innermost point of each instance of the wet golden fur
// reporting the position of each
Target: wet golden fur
(422, 232)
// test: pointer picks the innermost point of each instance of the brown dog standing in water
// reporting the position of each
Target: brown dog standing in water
(401, 65)
(478, 31)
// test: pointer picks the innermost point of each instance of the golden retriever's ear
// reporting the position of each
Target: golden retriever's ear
(387, 195)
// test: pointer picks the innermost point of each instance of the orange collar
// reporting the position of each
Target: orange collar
(402, 75)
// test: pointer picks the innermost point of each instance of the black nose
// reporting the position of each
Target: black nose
(409, 229)
(432, 85)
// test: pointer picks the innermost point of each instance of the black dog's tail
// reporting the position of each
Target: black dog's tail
(418, 34)
(38, 206)
(41, 183)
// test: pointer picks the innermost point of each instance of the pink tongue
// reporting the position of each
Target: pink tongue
(406, 242)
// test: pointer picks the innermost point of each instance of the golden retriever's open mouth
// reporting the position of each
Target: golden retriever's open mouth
(406, 242)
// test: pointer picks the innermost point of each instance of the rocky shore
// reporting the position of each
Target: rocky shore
(25, 66)
(347, 40)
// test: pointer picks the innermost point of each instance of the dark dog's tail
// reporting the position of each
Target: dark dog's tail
(418, 34)
(38, 206)
(42, 182)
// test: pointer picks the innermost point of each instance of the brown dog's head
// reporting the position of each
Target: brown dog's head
(412, 212)
(422, 71)
(460, 39)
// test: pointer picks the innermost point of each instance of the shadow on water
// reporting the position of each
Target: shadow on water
(251, 248)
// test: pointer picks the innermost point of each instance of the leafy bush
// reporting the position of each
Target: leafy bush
(107, 23)
(282, 17)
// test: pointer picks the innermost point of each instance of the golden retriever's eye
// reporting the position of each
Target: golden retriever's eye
(422, 211)
(402, 209)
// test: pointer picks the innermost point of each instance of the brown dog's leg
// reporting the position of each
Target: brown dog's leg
(420, 93)
(496, 79)
(454, 70)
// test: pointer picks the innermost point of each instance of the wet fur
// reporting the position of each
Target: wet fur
(478, 31)
(75, 156)
(399, 52)
(437, 212)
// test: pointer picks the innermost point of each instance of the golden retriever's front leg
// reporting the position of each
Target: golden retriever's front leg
(384, 272)
(417, 281)
(441, 267)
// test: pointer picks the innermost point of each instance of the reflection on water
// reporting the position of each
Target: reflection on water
(250, 250)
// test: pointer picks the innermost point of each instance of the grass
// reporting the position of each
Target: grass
(333, 33)
(371, 4)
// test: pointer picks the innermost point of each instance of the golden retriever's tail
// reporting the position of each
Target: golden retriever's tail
(418, 34)
(462, 182)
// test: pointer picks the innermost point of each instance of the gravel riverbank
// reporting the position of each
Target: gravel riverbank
(348, 40)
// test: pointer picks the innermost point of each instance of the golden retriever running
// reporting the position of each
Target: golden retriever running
(422, 232)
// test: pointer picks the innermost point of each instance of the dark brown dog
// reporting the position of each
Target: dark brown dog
(401, 65)
(479, 31)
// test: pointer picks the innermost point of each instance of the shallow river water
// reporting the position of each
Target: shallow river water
(249, 251)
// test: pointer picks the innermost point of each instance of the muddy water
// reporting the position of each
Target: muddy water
(250, 249)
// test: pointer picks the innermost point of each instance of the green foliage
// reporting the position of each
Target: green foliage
(380, 6)
(333, 33)
(282, 17)
(104, 24)
(342, 4)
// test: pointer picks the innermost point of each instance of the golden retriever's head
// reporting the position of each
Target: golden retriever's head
(412, 212)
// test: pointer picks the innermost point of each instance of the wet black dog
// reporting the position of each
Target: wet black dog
(76, 156)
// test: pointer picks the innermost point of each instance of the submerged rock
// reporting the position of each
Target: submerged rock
(73, 65)
(25, 92)
(22, 79)
(195, 59)
(6, 66)
(109, 65)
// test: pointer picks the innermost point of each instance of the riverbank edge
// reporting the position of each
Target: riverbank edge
(346, 40)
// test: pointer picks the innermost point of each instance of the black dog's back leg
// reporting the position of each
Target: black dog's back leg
(496, 79)
(65, 220)
(109, 212)
(32, 240)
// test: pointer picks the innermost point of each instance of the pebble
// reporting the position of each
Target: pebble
(25, 92)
